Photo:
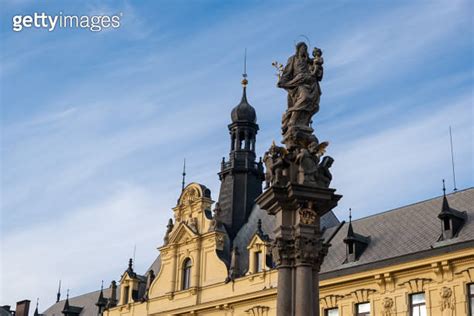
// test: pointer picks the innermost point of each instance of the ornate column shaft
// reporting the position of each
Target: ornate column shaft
(297, 248)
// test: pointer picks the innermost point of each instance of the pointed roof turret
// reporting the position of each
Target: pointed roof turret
(36, 313)
(129, 270)
(260, 233)
(101, 301)
(70, 310)
(355, 243)
(66, 304)
(452, 220)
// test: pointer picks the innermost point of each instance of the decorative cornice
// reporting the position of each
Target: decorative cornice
(362, 295)
(468, 274)
(416, 285)
(330, 301)
(258, 310)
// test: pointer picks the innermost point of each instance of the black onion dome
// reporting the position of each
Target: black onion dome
(244, 111)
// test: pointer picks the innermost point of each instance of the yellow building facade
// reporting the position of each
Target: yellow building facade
(440, 281)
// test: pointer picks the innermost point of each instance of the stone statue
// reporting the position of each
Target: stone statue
(324, 176)
(275, 162)
(299, 160)
(215, 222)
(169, 228)
(300, 78)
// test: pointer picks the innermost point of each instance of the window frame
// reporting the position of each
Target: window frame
(362, 313)
(412, 306)
(327, 310)
(470, 298)
(186, 267)
(258, 264)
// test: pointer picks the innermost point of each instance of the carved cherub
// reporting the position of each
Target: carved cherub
(275, 162)
(307, 166)
(318, 61)
(169, 228)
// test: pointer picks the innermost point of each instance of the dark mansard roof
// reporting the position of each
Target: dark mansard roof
(403, 234)
(86, 302)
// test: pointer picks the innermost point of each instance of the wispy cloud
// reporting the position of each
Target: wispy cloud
(94, 128)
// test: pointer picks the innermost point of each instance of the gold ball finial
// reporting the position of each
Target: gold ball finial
(245, 82)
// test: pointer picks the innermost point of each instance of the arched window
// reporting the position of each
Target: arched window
(186, 281)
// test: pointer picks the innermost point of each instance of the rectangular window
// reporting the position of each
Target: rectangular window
(418, 304)
(331, 312)
(126, 294)
(258, 261)
(470, 299)
(363, 309)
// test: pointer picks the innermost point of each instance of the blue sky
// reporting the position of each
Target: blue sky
(95, 126)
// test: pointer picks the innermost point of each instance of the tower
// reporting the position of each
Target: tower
(241, 176)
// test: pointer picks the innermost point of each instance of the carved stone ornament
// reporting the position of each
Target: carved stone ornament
(388, 306)
(331, 301)
(307, 216)
(299, 160)
(447, 300)
(416, 285)
(189, 196)
(258, 310)
(283, 251)
(306, 250)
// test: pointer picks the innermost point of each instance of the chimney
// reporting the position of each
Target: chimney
(22, 308)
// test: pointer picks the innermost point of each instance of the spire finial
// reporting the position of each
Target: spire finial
(184, 175)
(244, 75)
(58, 295)
(130, 264)
(452, 159)
(67, 294)
(36, 312)
(102, 285)
(444, 188)
(350, 215)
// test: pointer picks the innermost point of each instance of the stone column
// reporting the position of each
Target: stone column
(283, 254)
(297, 247)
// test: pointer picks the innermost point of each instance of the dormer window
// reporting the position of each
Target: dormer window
(355, 243)
(186, 279)
(451, 219)
(258, 251)
(258, 261)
